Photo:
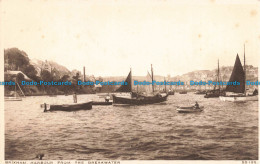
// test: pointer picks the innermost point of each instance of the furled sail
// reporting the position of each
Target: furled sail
(128, 87)
(239, 76)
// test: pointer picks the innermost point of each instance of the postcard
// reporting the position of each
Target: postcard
(128, 81)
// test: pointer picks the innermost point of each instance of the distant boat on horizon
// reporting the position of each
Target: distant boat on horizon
(183, 92)
(200, 92)
(215, 92)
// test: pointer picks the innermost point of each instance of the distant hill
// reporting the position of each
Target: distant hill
(50, 66)
(225, 73)
(204, 75)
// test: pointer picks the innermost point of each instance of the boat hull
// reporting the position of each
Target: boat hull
(200, 92)
(13, 99)
(71, 107)
(139, 101)
(171, 93)
(238, 98)
(211, 96)
(189, 109)
(101, 103)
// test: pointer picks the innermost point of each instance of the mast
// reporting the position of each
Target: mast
(15, 87)
(218, 78)
(152, 77)
(84, 76)
(131, 89)
(165, 85)
(245, 67)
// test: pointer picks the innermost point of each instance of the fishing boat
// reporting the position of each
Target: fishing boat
(67, 107)
(183, 92)
(142, 100)
(200, 92)
(215, 92)
(171, 92)
(189, 109)
(136, 98)
(237, 93)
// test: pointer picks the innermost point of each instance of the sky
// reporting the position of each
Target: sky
(109, 37)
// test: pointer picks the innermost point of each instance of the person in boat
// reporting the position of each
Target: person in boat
(255, 92)
(196, 105)
(75, 97)
(158, 95)
(107, 98)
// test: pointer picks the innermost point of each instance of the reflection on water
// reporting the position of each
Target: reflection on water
(224, 130)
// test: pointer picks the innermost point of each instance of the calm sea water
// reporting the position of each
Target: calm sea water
(224, 130)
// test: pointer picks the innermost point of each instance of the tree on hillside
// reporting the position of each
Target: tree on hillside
(47, 77)
(30, 71)
(16, 58)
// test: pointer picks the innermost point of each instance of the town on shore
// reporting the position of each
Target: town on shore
(19, 67)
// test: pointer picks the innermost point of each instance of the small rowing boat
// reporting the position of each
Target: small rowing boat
(13, 99)
(190, 109)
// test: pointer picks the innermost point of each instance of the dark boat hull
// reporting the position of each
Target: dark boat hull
(171, 93)
(139, 101)
(71, 107)
(200, 92)
(214, 94)
(183, 92)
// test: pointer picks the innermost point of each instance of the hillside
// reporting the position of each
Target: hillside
(51, 66)
(204, 75)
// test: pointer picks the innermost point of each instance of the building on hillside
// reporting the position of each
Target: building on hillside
(15, 74)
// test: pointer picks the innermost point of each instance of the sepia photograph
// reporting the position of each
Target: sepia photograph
(114, 81)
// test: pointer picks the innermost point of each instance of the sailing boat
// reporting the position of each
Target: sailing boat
(200, 92)
(214, 92)
(136, 98)
(170, 91)
(237, 93)
(15, 96)
(184, 91)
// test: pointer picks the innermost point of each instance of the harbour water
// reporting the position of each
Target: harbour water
(223, 131)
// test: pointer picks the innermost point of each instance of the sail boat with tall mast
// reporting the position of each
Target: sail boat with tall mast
(237, 93)
(136, 98)
(215, 92)
(184, 91)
